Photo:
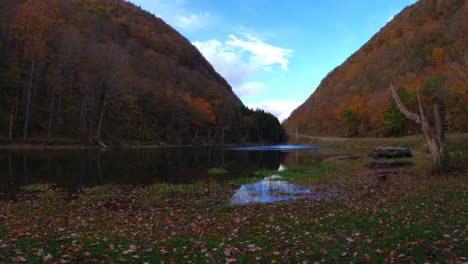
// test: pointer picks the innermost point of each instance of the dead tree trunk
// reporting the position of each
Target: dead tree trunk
(10, 128)
(14, 112)
(434, 136)
(28, 97)
(101, 116)
(51, 111)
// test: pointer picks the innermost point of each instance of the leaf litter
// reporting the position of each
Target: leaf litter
(407, 219)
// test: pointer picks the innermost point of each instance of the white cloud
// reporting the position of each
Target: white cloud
(177, 13)
(193, 21)
(236, 58)
(226, 61)
(281, 109)
(261, 54)
(214, 49)
(250, 89)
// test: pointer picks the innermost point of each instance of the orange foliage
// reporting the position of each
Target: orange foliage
(200, 112)
(438, 56)
(32, 21)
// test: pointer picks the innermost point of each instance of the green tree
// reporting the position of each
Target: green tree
(349, 119)
(393, 121)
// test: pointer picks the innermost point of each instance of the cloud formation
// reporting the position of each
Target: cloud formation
(177, 13)
(226, 61)
(261, 54)
(193, 21)
(239, 57)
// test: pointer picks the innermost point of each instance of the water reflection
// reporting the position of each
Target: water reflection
(273, 148)
(130, 166)
(146, 166)
(273, 189)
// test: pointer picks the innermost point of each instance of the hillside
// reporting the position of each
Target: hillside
(105, 69)
(425, 46)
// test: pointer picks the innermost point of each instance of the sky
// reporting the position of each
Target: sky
(274, 53)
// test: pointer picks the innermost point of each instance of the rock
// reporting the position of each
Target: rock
(390, 153)
(386, 164)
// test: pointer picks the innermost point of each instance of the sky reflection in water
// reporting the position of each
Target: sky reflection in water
(272, 189)
(273, 147)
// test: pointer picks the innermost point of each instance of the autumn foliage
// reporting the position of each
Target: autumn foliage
(105, 69)
(426, 41)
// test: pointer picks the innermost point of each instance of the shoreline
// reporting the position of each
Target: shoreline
(303, 139)
(45, 146)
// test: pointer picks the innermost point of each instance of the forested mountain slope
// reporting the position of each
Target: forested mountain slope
(93, 69)
(425, 46)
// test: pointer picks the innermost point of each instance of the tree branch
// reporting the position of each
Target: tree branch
(465, 57)
(439, 125)
(421, 110)
(410, 115)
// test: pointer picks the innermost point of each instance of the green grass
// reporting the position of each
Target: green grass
(314, 172)
(365, 143)
(245, 180)
(217, 171)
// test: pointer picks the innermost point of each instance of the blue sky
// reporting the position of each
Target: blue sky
(274, 53)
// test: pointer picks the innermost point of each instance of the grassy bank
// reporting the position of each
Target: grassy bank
(414, 141)
(407, 218)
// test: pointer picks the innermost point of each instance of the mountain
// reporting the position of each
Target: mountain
(105, 69)
(425, 46)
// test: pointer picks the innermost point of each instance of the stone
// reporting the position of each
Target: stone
(390, 153)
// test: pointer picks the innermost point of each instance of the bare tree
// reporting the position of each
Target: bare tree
(114, 85)
(111, 66)
(69, 47)
(433, 133)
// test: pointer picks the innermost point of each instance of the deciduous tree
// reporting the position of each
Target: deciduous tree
(33, 20)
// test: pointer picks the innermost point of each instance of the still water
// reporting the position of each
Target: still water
(72, 168)
(273, 189)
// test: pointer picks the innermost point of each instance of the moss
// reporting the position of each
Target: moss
(217, 171)
(245, 180)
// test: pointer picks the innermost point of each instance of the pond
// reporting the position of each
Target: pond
(174, 165)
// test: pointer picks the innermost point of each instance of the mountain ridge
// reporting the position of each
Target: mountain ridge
(108, 69)
(423, 42)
